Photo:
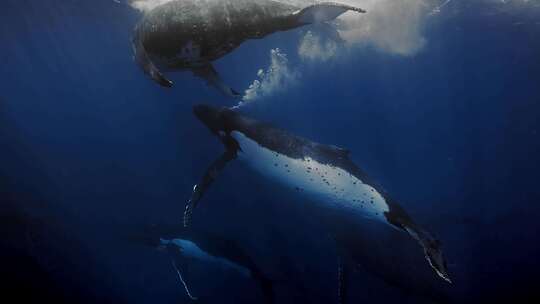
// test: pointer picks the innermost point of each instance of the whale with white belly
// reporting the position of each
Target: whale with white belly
(324, 173)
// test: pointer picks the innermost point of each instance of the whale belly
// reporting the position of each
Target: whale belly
(329, 185)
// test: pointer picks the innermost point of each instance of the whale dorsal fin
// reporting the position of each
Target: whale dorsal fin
(323, 12)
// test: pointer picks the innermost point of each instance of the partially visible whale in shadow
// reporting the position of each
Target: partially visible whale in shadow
(386, 255)
(190, 34)
(215, 252)
(324, 174)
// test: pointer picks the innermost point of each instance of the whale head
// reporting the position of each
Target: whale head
(210, 116)
(220, 120)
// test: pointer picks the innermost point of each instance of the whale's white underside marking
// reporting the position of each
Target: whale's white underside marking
(327, 184)
(191, 250)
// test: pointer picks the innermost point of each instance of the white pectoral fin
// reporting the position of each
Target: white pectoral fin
(184, 283)
(323, 12)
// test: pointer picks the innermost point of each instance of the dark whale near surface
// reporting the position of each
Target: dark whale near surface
(190, 34)
(321, 172)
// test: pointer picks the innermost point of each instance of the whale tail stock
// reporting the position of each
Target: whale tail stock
(149, 68)
(324, 12)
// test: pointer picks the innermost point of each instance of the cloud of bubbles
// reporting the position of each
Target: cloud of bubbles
(278, 76)
(392, 26)
(314, 48)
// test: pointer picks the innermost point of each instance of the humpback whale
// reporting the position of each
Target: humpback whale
(216, 252)
(190, 34)
(324, 173)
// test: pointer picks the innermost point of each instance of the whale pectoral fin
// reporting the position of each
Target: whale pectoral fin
(181, 272)
(323, 12)
(158, 77)
(208, 73)
(432, 251)
(142, 58)
(211, 174)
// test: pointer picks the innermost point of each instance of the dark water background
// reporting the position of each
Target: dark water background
(91, 151)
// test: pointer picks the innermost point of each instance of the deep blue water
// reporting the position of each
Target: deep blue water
(92, 151)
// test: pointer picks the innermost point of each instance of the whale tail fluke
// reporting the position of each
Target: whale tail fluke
(432, 251)
(323, 12)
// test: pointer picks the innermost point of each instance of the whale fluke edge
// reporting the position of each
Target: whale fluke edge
(324, 12)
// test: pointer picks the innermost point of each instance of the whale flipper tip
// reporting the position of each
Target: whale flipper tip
(144, 61)
(160, 79)
(208, 73)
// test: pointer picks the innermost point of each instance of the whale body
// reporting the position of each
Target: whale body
(190, 34)
(188, 249)
(216, 252)
(324, 173)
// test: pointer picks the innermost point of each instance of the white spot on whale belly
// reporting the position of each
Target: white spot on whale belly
(327, 184)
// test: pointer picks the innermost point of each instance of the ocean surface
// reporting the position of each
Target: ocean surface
(438, 101)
